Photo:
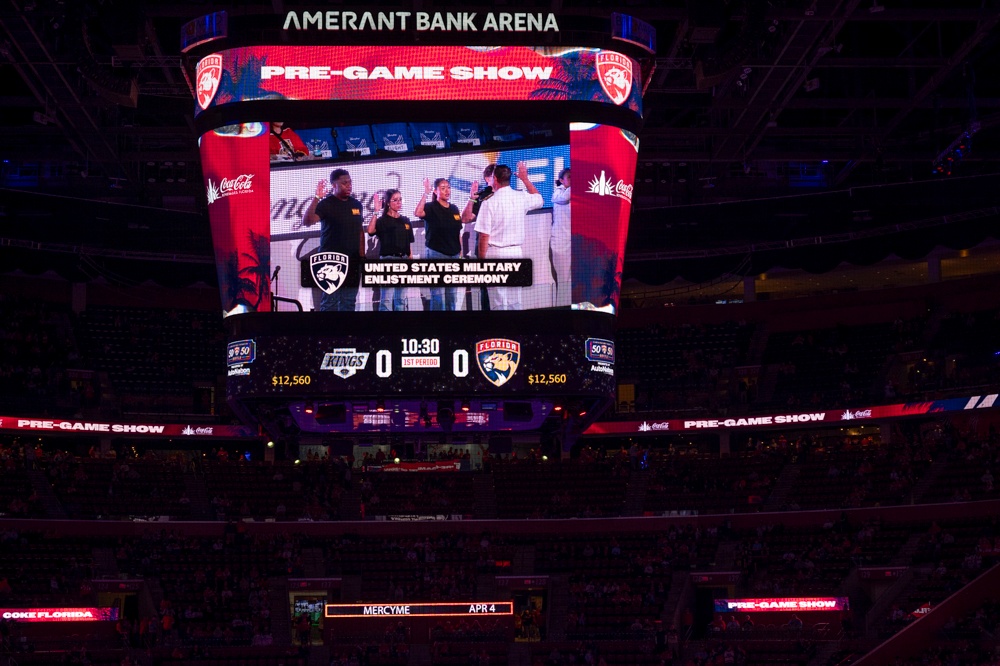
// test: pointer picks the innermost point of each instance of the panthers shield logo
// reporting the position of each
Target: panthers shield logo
(207, 76)
(614, 71)
(498, 359)
(328, 270)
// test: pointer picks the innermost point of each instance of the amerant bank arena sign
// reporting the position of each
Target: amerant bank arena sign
(422, 21)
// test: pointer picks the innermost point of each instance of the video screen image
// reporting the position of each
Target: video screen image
(419, 217)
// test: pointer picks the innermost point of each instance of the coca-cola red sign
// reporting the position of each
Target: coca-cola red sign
(229, 186)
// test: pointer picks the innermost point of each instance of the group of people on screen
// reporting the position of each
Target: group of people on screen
(498, 211)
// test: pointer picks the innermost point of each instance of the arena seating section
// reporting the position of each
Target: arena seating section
(615, 540)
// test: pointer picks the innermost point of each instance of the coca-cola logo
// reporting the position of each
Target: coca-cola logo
(188, 430)
(859, 414)
(603, 186)
(242, 184)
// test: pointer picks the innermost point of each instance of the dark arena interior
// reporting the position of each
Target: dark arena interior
(554, 333)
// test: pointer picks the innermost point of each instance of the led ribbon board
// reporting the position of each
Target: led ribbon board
(799, 604)
(59, 614)
(420, 609)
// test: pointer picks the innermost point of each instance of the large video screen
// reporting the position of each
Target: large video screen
(378, 186)
(408, 216)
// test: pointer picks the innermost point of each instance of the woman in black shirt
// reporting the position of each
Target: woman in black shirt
(443, 229)
(395, 233)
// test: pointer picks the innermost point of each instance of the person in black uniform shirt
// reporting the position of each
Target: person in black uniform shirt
(443, 229)
(395, 233)
(341, 231)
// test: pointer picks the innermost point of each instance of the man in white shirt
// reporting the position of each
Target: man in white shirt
(500, 225)
(561, 241)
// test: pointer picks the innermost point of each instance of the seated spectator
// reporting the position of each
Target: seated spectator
(285, 144)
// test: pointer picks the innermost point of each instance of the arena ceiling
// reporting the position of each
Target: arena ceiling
(750, 99)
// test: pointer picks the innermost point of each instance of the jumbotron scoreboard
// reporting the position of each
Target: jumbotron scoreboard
(399, 337)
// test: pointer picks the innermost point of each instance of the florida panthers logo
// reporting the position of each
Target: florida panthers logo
(498, 359)
(328, 270)
(207, 77)
(614, 71)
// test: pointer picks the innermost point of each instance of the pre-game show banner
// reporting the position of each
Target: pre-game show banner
(72, 427)
(786, 604)
(475, 73)
(840, 417)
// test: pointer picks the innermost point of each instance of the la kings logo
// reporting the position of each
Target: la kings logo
(345, 362)
(328, 270)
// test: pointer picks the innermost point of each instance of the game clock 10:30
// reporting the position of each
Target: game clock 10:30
(421, 346)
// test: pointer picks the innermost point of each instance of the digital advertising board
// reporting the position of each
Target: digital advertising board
(417, 221)
(382, 73)
(59, 614)
(784, 604)
(261, 227)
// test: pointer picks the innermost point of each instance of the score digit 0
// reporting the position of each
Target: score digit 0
(383, 363)
(460, 362)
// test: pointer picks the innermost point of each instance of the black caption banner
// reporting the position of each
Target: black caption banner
(446, 273)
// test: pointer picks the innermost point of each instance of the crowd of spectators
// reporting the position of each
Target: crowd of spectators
(216, 590)
(441, 493)
(843, 471)
(589, 652)
(33, 568)
(680, 367)
(970, 640)
(960, 354)
(439, 567)
(615, 607)
(37, 349)
(392, 649)
(470, 630)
